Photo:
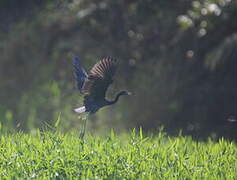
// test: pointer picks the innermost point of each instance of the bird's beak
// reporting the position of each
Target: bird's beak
(129, 93)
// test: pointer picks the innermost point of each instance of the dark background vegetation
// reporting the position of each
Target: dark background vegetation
(178, 58)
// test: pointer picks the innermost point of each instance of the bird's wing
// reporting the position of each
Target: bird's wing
(79, 73)
(100, 77)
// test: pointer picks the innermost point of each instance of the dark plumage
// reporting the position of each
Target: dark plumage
(95, 84)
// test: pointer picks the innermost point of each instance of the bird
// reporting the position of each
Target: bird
(95, 84)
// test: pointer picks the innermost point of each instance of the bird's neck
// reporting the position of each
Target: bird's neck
(116, 98)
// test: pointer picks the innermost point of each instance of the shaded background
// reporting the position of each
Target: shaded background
(178, 58)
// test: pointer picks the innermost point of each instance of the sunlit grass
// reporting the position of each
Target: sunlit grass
(52, 155)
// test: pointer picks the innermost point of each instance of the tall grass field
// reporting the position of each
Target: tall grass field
(53, 155)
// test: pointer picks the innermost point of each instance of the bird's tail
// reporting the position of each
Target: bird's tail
(80, 109)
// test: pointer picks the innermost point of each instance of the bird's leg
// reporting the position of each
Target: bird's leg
(83, 130)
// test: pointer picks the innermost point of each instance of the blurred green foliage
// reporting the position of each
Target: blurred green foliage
(178, 59)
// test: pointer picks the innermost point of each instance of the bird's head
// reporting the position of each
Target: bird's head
(124, 92)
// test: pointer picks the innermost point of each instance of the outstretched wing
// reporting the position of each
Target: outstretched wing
(100, 77)
(79, 73)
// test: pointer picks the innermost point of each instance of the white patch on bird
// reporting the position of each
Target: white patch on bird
(232, 119)
(80, 109)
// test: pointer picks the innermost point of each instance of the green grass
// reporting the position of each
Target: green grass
(132, 156)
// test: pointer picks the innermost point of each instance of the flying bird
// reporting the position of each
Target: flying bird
(95, 84)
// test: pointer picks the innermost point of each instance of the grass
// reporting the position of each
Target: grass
(52, 155)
